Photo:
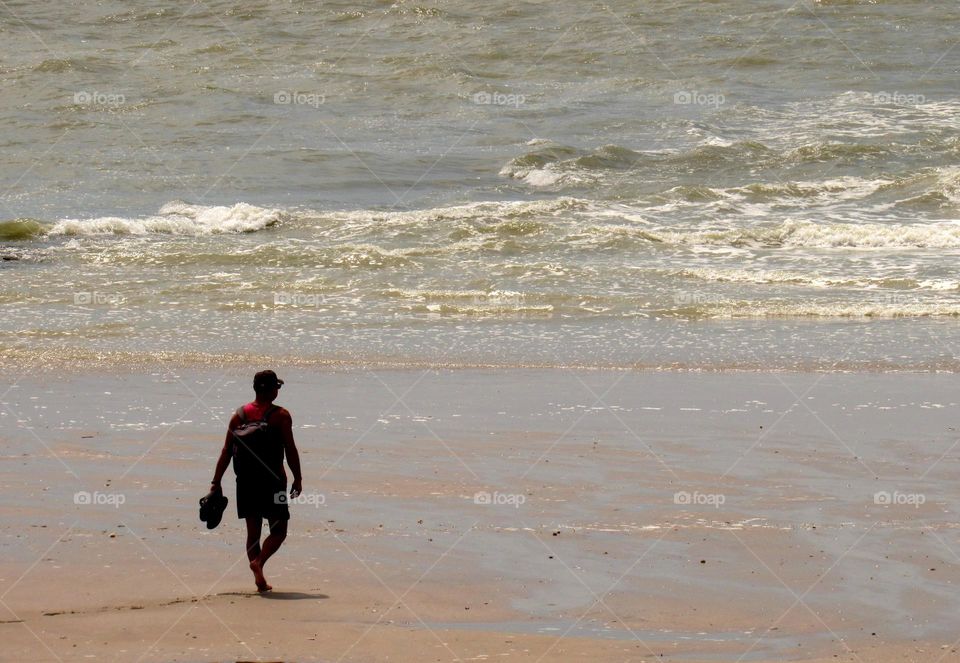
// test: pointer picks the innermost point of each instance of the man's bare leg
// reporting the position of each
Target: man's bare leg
(278, 532)
(254, 526)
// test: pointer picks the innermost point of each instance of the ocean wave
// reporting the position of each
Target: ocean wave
(934, 190)
(553, 164)
(486, 210)
(543, 166)
(556, 165)
(808, 234)
(831, 151)
(475, 302)
(789, 234)
(515, 218)
(864, 309)
(871, 304)
(803, 192)
(935, 185)
(892, 285)
(18, 229)
(505, 302)
(274, 254)
(777, 277)
(359, 257)
(176, 218)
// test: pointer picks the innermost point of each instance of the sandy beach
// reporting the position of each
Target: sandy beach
(550, 515)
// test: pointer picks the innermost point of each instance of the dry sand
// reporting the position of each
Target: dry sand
(635, 516)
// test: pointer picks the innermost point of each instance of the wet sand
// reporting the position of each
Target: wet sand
(522, 515)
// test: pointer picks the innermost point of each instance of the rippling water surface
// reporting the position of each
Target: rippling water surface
(705, 185)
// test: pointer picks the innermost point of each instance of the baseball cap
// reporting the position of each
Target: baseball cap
(266, 379)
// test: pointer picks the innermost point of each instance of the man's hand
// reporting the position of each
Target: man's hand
(214, 486)
(296, 488)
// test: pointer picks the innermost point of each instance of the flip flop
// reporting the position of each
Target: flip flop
(212, 506)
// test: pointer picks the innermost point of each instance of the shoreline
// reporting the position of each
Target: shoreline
(72, 361)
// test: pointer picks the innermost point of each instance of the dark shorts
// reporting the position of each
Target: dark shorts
(262, 499)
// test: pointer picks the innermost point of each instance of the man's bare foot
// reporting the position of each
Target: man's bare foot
(262, 585)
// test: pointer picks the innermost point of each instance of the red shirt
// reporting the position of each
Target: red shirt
(254, 411)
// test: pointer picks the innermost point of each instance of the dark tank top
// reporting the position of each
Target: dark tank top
(272, 454)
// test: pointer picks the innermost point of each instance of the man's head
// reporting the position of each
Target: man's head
(266, 384)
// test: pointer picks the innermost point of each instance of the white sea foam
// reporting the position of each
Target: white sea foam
(542, 176)
(808, 234)
(763, 276)
(472, 302)
(864, 309)
(940, 284)
(176, 218)
(488, 210)
(872, 235)
(896, 287)
(547, 175)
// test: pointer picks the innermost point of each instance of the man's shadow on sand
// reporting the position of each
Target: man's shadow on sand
(290, 596)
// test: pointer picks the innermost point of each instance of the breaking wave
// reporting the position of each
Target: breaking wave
(175, 218)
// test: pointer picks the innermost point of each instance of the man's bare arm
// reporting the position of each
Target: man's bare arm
(223, 462)
(290, 448)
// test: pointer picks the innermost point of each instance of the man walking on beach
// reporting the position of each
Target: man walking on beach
(258, 436)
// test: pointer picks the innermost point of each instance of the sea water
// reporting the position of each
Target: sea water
(687, 184)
